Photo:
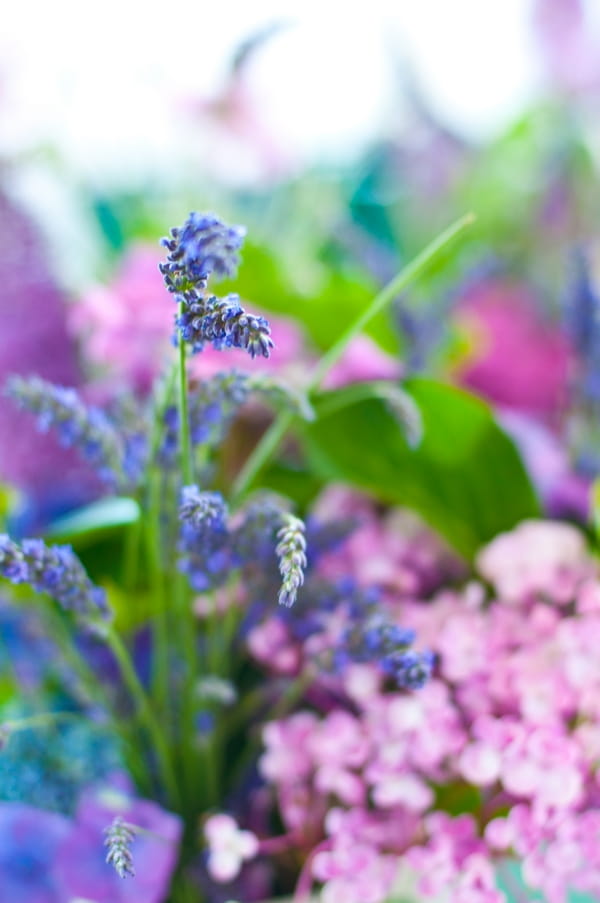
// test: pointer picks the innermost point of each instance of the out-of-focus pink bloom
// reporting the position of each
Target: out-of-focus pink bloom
(395, 552)
(228, 847)
(569, 48)
(479, 763)
(271, 644)
(285, 742)
(363, 360)
(518, 359)
(126, 327)
(536, 558)
(514, 710)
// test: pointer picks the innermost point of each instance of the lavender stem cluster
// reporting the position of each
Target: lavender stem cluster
(202, 246)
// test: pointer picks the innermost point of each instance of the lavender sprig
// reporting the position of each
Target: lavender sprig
(203, 538)
(55, 570)
(214, 403)
(410, 669)
(223, 323)
(205, 245)
(86, 428)
(119, 837)
(291, 552)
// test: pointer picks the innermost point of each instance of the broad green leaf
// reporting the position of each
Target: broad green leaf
(465, 478)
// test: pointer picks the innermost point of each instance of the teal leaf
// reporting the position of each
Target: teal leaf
(95, 520)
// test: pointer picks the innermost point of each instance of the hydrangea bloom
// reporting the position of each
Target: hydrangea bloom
(507, 734)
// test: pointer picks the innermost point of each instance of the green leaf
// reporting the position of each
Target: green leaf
(335, 298)
(466, 478)
(95, 520)
(8, 502)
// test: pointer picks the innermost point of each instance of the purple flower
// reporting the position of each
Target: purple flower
(81, 867)
(203, 245)
(55, 570)
(86, 428)
(29, 842)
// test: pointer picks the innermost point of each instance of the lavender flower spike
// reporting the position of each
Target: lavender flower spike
(291, 552)
(203, 245)
(55, 570)
(85, 428)
(224, 323)
(119, 836)
(203, 538)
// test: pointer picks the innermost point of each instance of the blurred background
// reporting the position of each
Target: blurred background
(344, 140)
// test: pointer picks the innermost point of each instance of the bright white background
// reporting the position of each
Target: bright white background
(107, 82)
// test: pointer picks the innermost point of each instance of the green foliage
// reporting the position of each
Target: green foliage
(335, 298)
(8, 500)
(466, 478)
(86, 525)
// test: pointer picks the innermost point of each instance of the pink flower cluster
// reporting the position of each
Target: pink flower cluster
(497, 757)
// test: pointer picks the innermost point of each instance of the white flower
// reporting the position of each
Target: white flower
(228, 847)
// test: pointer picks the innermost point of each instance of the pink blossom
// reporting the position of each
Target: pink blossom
(286, 757)
(126, 327)
(503, 320)
(479, 763)
(362, 360)
(271, 644)
(536, 558)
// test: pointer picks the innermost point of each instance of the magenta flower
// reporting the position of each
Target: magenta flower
(126, 327)
(504, 325)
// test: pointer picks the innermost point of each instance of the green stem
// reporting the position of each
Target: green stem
(140, 698)
(186, 619)
(160, 670)
(273, 436)
(184, 422)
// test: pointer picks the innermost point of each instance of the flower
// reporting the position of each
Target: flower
(125, 326)
(30, 840)
(119, 836)
(55, 570)
(81, 869)
(84, 427)
(203, 245)
(291, 552)
(228, 847)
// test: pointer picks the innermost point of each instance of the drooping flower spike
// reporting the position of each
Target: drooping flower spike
(202, 246)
